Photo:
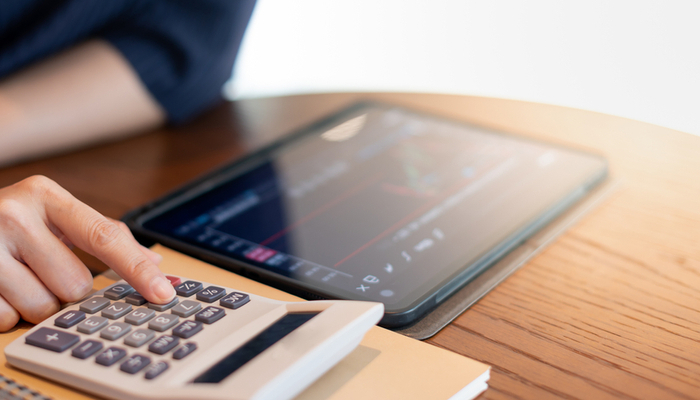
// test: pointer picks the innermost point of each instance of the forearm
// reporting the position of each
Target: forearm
(84, 95)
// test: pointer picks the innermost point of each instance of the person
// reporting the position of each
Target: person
(79, 72)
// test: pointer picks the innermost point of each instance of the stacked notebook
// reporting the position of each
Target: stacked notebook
(386, 365)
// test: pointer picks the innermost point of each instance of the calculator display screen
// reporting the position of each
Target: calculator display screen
(379, 203)
(254, 347)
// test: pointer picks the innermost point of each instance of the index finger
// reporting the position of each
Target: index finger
(101, 237)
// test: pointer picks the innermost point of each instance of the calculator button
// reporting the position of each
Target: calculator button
(188, 288)
(94, 305)
(86, 349)
(186, 308)
(118, 292)
(164, 344)
(174, 280)
(211, 294)
(92, 324)
(135, 364)
(163, 307)
(135, 299)
(139, 337)
(69, 319)
(184, 351)
(110, 356)
(210, 315)
(235, 300)
(163, 322)
(139, 316)
(156, 369)
(116, 310)
(115, 331)
(51, 339)
(187, 329)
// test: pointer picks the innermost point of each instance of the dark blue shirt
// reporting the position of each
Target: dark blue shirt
(182, 50)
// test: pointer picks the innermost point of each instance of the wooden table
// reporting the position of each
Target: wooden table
(610, 310)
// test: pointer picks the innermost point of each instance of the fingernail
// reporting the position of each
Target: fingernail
(162, 288)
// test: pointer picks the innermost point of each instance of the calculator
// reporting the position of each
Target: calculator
(209, 342)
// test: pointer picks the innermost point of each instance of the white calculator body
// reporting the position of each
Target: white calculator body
(211, 342)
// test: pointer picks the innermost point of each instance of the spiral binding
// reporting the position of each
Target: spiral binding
(11, 390)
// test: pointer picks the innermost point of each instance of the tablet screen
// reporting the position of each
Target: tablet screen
(380, 203)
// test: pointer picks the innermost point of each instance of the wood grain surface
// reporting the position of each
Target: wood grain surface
(610, 310)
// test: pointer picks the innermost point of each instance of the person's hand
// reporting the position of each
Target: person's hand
(39, 222)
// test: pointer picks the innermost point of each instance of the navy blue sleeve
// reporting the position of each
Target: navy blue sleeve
(183, 50)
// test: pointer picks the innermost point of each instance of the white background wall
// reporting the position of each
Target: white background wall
(636, 59)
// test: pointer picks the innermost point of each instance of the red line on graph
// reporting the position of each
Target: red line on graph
(324, 208)
(412, 215)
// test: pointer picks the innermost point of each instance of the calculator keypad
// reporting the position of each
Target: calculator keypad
(163, 322)
(187, 329)
(139, 316)
(188, 288)
(185, 350)
(94, 304)
(118, 292)
(52, 339)
(116, 310)
(110, 356)
(135, 364)
(139, 337)
(86, 349)
(115, 331)
(210, 315)
(118, 316)
(163, 307)
(69, 318)
(164, 344)
(92, 324)
(211, 294)
(186, 308)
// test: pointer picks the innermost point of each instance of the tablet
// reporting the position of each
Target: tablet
(376, 202)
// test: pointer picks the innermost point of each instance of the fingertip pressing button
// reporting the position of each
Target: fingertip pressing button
(163, 307)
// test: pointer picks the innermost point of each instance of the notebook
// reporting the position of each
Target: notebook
(386, 365)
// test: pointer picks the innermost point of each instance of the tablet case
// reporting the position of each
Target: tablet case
(443, 314)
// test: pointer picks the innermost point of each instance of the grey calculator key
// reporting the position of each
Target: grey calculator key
(69, 318)
(235, 300)
(52, 339)
(86, 349)
(139, 316)
(94, 304)
(186, 308)
(211, 294)
(163, 307)
(118, 292)
(164, 344)
(210, 315)
(116, 310)
(188, 288)
(139, 337)
(92, 324)
(184, 351)
(110, 356)
(163, 322)
(135, 364)
(135, 299)
(187, 329)
(156, 369)
(115, 331)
